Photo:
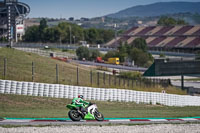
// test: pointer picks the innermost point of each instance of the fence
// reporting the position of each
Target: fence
(99, 94)
(47, 52)
(67, 73)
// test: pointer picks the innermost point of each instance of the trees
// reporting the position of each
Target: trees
(140, 57)
(110, 54)
(139, 43)
(43, 25)
(83, 52)
(94, 54)
(91, 35)
(136, 51)
(61, 33)
(169, 21)
(32, 34)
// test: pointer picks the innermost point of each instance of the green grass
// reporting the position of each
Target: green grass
(14, 106)
(19, 68)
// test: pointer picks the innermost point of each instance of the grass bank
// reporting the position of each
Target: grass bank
(15, 106)
(19, 68)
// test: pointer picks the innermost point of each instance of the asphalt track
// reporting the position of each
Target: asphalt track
(107, 121)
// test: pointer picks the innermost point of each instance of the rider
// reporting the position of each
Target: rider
(80, 103)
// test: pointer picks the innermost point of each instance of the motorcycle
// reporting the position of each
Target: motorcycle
(91, 113)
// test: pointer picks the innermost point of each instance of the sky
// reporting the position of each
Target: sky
(83, 8)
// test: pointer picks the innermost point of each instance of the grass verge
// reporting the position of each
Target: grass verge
(14, 106)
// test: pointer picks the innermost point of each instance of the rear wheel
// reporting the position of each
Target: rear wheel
(74, 115)
(98, 116)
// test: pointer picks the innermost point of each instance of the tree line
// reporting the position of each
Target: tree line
(66, 32)
(169, 21)
(137, 51)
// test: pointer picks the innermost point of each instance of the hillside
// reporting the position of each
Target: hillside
(158, 9)
(19, 68)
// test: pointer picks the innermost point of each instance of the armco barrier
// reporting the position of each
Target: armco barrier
(100, 94)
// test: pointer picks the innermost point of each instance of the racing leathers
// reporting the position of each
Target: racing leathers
(80, 104)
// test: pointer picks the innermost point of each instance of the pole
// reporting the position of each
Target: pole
(56, 73)
(119, 82)
(77, 76)
(70, 32)
(109, 79)
(182, 82)
(132, 83)
(128, 83)
(104, 78)
(115, 27)
(32, 71)
(74, 39)
(124, 82)
(91, 77)
(98, 79)
(5, 68)
(115, 80)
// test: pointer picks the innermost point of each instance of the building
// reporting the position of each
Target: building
(163, 37)
(12, 14)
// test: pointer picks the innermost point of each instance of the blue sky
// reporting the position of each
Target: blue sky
(83, 8)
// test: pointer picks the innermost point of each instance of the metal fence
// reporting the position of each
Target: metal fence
(47, 52)
(99, 94)
(70, 74)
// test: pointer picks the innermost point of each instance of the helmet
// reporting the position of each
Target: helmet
(80, 96)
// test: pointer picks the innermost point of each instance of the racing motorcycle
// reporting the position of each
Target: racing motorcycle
(91, 113)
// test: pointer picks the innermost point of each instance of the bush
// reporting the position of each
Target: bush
(130, 75)
(83, 52)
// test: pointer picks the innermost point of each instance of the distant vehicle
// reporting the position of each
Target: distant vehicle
(99, 60)
(113, 61)
(46, 47)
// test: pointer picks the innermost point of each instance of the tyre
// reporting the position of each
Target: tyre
(74, 115)
(98, 116)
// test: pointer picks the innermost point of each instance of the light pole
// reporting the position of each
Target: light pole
(70, 32)
(115, 27)
(74, 38)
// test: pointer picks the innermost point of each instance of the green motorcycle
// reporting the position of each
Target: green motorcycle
(91, 113)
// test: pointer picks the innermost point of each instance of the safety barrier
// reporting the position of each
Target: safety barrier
(100, 94)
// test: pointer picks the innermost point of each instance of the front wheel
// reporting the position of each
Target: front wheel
(98, 116)
(74, 115)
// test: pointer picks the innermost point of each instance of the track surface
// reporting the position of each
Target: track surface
(64, 121)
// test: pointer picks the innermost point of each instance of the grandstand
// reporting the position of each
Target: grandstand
(163, 37)
(17, 12)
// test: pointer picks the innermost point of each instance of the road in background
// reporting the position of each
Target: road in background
(133, 68)
(73, 47)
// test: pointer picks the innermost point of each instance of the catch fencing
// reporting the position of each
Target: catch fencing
(99, 94)
(47, 52)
